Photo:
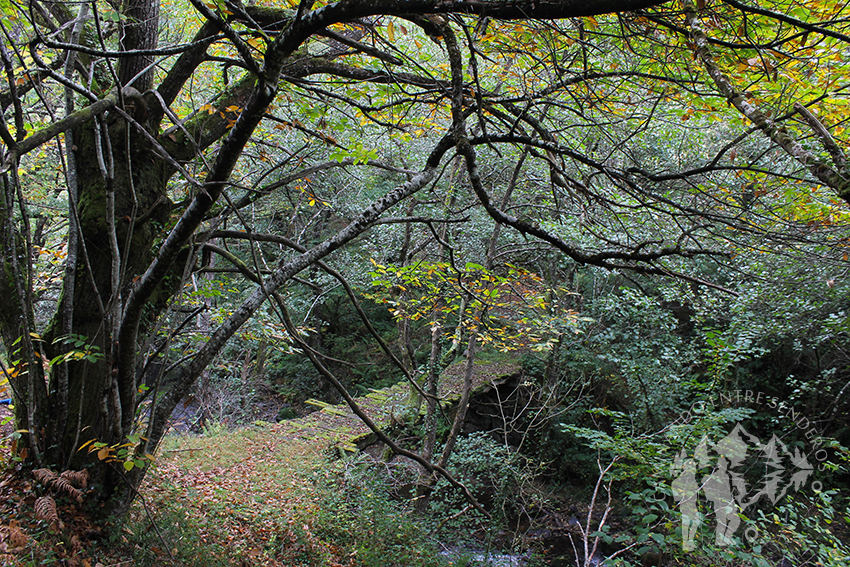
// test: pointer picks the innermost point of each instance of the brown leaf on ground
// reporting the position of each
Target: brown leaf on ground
(17, 537)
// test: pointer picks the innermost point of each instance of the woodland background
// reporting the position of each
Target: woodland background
(218, 217)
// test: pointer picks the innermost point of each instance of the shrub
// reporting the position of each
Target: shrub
(499, 477)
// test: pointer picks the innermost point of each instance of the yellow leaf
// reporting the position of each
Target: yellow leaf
(103, 453)
(391, 31)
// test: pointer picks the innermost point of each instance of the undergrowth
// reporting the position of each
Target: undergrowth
(253, 497)
(227, 498)
(367, 527)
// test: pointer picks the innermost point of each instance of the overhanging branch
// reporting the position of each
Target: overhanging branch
(836, 179)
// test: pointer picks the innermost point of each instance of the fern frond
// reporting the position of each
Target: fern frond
(77, 478)
(44, 476)
(63, 485)
(64, 482)
(45, 509)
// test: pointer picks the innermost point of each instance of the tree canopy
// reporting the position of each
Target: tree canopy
(146, 145)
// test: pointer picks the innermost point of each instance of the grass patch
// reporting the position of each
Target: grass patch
(241, 488)
(254, 497)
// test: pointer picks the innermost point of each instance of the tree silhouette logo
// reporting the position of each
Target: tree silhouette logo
(717, 471)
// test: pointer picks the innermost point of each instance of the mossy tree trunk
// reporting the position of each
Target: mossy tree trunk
(129, 209)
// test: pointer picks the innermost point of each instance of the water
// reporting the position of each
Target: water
(484, 559)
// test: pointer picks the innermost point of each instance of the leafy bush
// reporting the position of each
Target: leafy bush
(806, 530)
(794, 533)
(499, 477)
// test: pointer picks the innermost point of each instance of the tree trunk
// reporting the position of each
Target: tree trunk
(429, 443)
(25, 371)
(123, 200)
(140, 31)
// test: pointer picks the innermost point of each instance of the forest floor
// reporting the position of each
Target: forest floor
(295, 494)
(260, 495)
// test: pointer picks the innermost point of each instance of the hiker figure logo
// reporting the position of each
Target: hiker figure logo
(722, 480)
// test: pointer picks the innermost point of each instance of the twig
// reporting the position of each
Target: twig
(454, 517)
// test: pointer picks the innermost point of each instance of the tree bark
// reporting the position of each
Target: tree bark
(140, 32)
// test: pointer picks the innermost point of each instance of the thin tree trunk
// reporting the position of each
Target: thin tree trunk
(140, 29)
(429, 443)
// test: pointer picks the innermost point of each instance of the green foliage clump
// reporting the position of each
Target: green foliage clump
(175, 539)
(357, 523)
(802, 532)
(498, 476)
(803, 528)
